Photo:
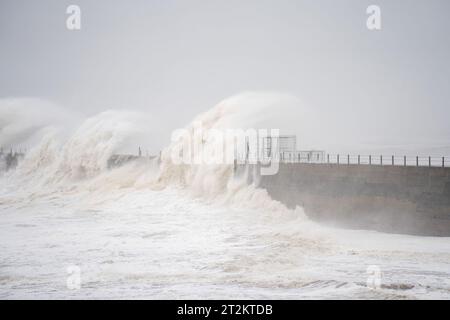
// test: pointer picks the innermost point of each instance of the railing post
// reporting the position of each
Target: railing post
(404, 161)
(429, 161)
(393, 160)
(370, 159)
(417, 161)
(348, 159)
(381, 160)
(338, 159)
(359, 159)
(328, 158)
(443, 162)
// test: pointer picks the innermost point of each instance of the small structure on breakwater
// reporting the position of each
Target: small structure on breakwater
(10, 159)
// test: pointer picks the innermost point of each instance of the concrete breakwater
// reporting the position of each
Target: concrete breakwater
(11, 159)
(389, 198)
(396, 199)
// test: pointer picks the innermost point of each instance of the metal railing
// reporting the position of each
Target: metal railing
(388, 160)
(320, 157)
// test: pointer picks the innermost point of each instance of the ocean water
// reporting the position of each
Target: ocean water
(72, 228)
(145, 244)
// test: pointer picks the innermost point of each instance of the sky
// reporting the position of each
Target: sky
(174, 59)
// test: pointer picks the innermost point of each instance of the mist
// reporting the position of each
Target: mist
(364, 91)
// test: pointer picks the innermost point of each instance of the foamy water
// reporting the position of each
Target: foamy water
(164, 244)
(156, 230)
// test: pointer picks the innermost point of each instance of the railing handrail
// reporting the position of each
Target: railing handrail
(320, 157)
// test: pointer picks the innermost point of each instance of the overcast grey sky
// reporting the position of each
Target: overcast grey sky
(174, 59)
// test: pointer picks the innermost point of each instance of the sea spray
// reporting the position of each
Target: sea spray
(63, 160)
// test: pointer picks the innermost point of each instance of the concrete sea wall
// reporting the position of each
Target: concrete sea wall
(397, 199)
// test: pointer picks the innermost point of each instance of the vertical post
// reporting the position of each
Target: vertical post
(404, 161)
(381, 160)
(338, 159)
(328, 158)
(359, 159)
(392, 160)
(443, 162)
(370, 159)
(429, 161)
(298, 157)
(247, 151)
(348, 159)
(417, 161)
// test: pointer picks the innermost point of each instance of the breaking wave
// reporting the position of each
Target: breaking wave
(76, 156)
